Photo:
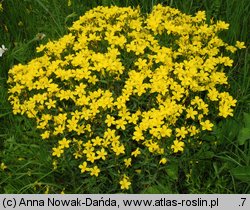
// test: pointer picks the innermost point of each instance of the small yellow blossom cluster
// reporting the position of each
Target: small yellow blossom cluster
(121, 85)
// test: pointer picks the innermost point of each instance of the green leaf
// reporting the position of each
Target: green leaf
(247, 119)
(172, 170)
(244, 133)
(152, 190)
(242, 173)
(158, 189)
(207, 155)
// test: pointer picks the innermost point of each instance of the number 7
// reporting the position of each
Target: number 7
(243, 201)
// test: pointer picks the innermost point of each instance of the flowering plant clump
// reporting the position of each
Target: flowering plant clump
(121, 86)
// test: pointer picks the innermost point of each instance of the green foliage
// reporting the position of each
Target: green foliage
(172, 170)
(242, 173)
(244, 133)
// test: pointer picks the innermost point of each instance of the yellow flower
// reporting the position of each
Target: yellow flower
(141, 63)
(181, 132)
(227, 61)
(225, 110)
(152, 146)
(177, 146)
(200, 15)
(136, 152)
(94, 171)
(121, 124)
(50, 104)
(163, 161)
(83, 167)
(133, 119)
(57, 151)
(109, 134)
(77, 154)
(207, 125)
(221, 25)
(118, 149)
(97, 141)
(45, 135)
(191, 113)
(232, 48)
(138, 134)
(213, 94)
(125, 183)
(240, 45)
(102, 154)
(165, 131)
(91, 157)
(72, 124)
(110, 120)
(3, 166)
(127, 162)
(59, 130)
(64, 143)
(193, 130)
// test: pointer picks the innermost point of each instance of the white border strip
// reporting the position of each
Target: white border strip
(125, 201)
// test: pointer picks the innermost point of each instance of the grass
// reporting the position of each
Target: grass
(223, 167)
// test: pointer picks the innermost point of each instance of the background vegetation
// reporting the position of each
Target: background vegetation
(223, 167)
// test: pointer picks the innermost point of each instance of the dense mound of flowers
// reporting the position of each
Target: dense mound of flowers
(121, 85)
